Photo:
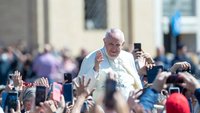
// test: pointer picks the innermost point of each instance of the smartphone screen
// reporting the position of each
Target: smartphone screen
(174, 90)
(57, 88)
(11, 100)
(40, 95)
(137, 46)
(68, 77)
(152, 73)
(68, 92)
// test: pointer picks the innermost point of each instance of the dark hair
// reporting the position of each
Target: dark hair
(180, 46)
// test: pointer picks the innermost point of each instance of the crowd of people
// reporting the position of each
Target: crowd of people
(107, 80)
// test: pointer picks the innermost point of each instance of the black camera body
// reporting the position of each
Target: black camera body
(174, 79)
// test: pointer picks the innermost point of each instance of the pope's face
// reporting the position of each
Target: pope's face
(113, 46)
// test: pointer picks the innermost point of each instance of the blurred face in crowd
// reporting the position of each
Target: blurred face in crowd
(160, 51)
(28, 104)
(184, 50)
(113, 43)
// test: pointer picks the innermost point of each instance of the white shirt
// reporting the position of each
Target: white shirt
(123, 66)
(1, 110)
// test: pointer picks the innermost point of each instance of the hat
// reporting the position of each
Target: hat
(177, 103)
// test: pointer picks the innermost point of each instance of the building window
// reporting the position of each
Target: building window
(95, 14)
(186, 7)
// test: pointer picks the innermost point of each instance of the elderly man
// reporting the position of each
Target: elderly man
(111, 58)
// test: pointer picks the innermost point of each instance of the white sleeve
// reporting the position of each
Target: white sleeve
(88, 71)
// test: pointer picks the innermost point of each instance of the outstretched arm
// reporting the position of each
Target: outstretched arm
(82, 93)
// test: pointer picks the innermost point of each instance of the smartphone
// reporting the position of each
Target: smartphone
(110, 89)
(174, 79)
(11, 100)
(137, 46)
(3, 102)
(57, 88)
(68, 93)
(174, 90)
(41, 92)
(68, 77)
(10, 80)
(84, 108)
(152, 73)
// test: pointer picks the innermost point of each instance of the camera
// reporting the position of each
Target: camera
(184, 70)
(174, 79)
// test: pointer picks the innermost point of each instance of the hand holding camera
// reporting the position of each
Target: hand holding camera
(180, 66)
(190, 82)
(174, 79)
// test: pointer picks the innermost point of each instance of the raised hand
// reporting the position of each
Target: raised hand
(18, 110)
(42, 82)
(149, 62)
(45, 107)
(190, 83)
(82, 89)
(98, 60)
(136, 54)
(145, 61)
(68, 108)
(17, 79)
(160, 81)
(180, 66)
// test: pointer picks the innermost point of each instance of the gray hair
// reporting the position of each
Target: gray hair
(28, 94)
(116, 31)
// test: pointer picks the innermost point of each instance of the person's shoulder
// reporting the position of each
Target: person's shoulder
(91, 54)
(126, 54)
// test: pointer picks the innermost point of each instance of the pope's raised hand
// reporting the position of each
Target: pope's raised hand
(98, 60)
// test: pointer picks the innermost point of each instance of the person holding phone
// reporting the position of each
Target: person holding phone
(111, 58)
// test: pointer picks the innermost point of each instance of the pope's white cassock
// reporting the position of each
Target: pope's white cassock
(123, 66)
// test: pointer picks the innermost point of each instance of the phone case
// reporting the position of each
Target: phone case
(11, 100)
(57, 88)
(68, 92)
(152, 73)
(40, 95)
